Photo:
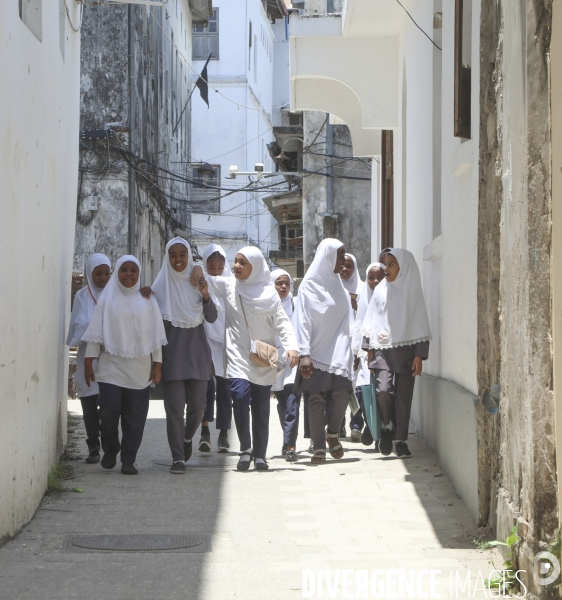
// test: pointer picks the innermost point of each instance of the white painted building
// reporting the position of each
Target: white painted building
(236, 128)
(39, 103)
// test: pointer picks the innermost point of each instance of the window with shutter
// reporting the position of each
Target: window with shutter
(206, 38)
(205, 199)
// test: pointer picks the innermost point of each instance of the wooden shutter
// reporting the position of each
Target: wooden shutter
(462, 80)
(387, 189)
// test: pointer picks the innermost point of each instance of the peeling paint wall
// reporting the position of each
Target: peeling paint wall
(352, 198)
(161, 87)
(515, 315)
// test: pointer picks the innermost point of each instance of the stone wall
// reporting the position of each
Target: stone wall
(517, 451)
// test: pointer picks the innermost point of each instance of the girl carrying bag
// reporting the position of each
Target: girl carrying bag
(262, 353)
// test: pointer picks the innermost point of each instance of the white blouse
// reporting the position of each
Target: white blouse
(237, 337)
(131, 373)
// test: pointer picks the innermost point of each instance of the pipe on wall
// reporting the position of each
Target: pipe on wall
(132, 132)
(329, 165)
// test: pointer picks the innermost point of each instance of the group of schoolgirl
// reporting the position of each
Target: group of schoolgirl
(199, 328)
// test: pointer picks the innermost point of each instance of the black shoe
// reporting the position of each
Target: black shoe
(355, 436)
(109, 460)
(205, 443)
(284, 449)
(129, 469)
(291, 456)
(93, 457)
(366, 438)
(178, 468)
(402, 450)
(311, 449)
(222, 443)
(343, 432)
(244, 465)
(385, 444)
(187, 450)
(377, 449)
(261, 466)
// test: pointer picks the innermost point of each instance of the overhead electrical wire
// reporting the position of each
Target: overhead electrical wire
(414, 22)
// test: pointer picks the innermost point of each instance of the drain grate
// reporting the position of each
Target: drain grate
(137, 542)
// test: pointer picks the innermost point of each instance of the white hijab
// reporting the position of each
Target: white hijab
(124, 322)
(180, 302)
(362, 306)
(323, 311)
(215, 331)
(396, 315)
(85, 301)
(286, 303)
(260, 297)
(354, 284)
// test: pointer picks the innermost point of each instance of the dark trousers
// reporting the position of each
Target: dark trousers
(246, 396)
(183, 397)
(394, 398)
(91, 421)
(288, 407)
(220, 387)
(306, 416)
(357, 421)
(131, 406)
(320, 416)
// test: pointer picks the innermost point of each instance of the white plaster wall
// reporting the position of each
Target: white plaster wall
(38, 167)
(449, 281)
(229, 133)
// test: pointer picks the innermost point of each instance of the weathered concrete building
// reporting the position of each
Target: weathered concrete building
(40, 70)
(470, 183)
(333, 198)
(136, 77)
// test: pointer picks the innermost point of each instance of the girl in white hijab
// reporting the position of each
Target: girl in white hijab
(374, 275)
(288, 401)
(397, 326)
(215, 264)
(253, 313)
(98, 272)
(323, 319)
(126, 336)
(187, 362)
(352, 282)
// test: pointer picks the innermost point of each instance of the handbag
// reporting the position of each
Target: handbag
(262, 353)
(372, 413)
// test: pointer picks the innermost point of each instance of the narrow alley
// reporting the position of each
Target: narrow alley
(364, 512)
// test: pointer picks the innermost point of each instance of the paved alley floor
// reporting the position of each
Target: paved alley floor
(262, 530)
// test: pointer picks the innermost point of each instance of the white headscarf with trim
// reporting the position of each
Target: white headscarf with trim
(397, 315)
(323, 314)
(362, 307)
(124, 322)
(286, 303)
(354, 284)
(180, 302)
(215, 331)
(260, 297)
(85, 301)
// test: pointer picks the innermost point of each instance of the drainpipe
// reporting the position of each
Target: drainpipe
(132, 132)
(329, 165)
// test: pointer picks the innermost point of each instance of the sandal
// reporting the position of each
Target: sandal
(319, 457)
(334, 445)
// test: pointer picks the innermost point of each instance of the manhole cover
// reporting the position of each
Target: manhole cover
(136, 542)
